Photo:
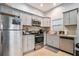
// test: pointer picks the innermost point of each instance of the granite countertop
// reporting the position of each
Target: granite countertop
(73, 36)
(28, 34)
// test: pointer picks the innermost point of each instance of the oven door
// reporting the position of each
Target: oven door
(39, 39)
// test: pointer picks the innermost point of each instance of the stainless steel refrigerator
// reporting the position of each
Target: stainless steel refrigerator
(10, 36)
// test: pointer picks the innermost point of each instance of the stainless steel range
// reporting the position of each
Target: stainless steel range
(39, 40)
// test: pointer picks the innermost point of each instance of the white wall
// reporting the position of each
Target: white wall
(24, 7)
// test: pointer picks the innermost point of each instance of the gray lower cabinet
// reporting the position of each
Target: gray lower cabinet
(25, 45)
(31, 42)
(28, 43)
(66, 45)
(53, 40)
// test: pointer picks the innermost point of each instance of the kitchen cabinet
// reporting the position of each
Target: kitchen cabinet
(53, 40)
(45, 22)
(73, 17)
(41, 22)
(70, 17)
(29, 20)
(15, 12)
(25, 45)
(31, 42)
(66, 18)
(5, 9)
(39, 19)
(26, 19)
(9, 10)
(28, 43)
(66, 45)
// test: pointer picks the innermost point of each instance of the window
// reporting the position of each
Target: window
(57, 24)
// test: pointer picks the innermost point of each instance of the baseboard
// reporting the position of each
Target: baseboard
(60, 50)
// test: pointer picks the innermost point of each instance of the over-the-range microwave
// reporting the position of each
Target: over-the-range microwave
(36, 23)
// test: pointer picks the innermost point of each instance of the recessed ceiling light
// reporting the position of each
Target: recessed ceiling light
(54, 4)
(41, 5)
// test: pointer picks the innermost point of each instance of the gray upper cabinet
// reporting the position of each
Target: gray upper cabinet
(29, 20)
(70, 17)
(9, 10)
(66, 18)
(24, 18)
(15, 12)
(5, 9)
(73, 17)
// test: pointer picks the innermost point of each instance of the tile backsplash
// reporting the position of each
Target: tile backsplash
(71, 29)
(34, 28)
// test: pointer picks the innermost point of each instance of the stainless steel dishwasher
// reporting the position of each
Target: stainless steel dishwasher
(67, 44)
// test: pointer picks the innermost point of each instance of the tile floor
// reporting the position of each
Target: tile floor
(46, 52)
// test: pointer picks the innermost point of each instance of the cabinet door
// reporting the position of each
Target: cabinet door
(31, 42)
(24, 18)
(49, 40)
(66, 18)
(53, 40)
(73, 17)
(25, 44)
(5, 9)
(16, 12)
(29, 20)
(42, 22)
(48, 22)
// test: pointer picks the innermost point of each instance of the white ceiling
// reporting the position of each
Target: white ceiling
(46, 6)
